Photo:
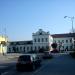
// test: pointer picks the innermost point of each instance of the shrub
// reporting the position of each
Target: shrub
(72, 54)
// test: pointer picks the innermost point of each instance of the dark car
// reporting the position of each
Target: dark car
(55, 51)
(47, 55)
(28, 61)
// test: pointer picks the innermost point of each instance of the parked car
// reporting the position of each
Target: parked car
(47, 55)
(28, 61)
(55, 51)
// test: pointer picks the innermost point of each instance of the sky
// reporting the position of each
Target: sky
(20, 18)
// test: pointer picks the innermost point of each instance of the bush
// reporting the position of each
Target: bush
(72, 54)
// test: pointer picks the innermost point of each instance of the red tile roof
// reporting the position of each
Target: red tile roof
(63, 35)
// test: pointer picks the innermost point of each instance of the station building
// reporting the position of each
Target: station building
(43, 40)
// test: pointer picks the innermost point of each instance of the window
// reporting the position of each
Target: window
(38, 47)
(38, 39)
(9, 48)
(62, 41)
(47, 47)
(35, 47)
(42, 40)
(70, 40)
(34, 40)
(40, 33)
(46, 39)
(66, 41)
(24, 48)
(27, 48)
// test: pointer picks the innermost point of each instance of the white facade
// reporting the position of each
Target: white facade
(40, 39)
(43, 40)
(64, 41)
(20, 47)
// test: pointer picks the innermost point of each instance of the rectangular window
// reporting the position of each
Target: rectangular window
(24, 48)
(66, 41)
(62, 41)
(35, 47)
(38, 47)
(46, 39)
(34, 40)
(70, 40)
(38, 39)
(27, 48)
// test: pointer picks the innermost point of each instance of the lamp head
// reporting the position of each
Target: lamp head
(65, 16)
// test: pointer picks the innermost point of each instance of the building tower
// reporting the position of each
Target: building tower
(42, 40)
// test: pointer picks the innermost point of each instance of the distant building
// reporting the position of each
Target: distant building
(20, 46)
(3, 44)
(64, 42)
(43, 40)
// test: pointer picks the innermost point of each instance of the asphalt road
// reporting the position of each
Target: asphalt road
(59, 65)
(4, 67)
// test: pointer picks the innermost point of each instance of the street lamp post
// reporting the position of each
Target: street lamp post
(72, 19)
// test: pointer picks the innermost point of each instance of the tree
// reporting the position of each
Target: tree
(54, 46)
